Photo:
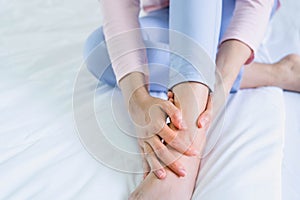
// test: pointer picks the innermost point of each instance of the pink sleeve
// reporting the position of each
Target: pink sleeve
(123, 38)
(249, 23)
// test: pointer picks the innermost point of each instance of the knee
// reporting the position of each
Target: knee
(97, 59)
(94, 39)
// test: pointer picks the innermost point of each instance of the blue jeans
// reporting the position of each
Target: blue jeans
(207, 32)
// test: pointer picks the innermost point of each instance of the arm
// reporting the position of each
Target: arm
(172, 187)
(123, 38)
(128, 55)
(242, 38)
(230, 58)
(237, 47)
(249, 22)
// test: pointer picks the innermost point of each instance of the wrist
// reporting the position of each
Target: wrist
(225, 82)
(134, 87)
(231, 56)
(139, 95)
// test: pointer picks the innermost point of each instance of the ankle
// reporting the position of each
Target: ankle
(276, 73)
(281, 71)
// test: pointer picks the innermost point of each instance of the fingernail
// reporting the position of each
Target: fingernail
(204, 122)
(182, 125)
(182, 172)
(195, 152)
(160, 173)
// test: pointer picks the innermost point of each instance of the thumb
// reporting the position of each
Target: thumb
(205, 118)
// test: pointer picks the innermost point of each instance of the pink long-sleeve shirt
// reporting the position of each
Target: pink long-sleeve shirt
(248, 25)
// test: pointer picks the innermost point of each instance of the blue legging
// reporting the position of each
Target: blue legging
(207, 34)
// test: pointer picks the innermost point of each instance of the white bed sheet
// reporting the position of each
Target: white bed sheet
(283, 37)
(291, 161)
(41, 156)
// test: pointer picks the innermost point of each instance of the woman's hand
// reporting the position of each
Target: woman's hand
(204, 118)
(149, 117)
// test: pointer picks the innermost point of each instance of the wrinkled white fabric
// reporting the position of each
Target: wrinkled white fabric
(41, 156)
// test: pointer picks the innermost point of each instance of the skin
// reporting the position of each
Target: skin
(228, 64)
(231, 57)
(174, 187)
(186, 94)
(149, 116)
(284, 74)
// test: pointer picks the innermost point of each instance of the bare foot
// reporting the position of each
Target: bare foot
(284, 74)
(289, 72)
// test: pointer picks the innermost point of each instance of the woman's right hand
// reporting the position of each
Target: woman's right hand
(149, 117)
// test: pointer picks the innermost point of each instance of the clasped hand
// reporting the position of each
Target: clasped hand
(157, 140)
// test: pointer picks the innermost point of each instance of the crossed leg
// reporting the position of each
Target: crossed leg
(284, 74)
(174, 187)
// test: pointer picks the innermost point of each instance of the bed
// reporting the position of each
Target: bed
(43, 157)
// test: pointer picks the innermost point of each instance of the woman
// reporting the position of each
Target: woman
(236, 28)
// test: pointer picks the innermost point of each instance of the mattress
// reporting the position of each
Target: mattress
(43, 157)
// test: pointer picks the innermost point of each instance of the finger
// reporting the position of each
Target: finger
(171, 137)
(173, 112)
(146, 166)
(205, 118)
(170, 94)
(146, 173)
(209, 102)
(172, 101)
(163, 153)
(154, 163)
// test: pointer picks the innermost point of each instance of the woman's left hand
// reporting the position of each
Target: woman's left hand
(204, 118)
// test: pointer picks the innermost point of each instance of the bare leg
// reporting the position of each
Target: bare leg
(284, 74)
(192, 99)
